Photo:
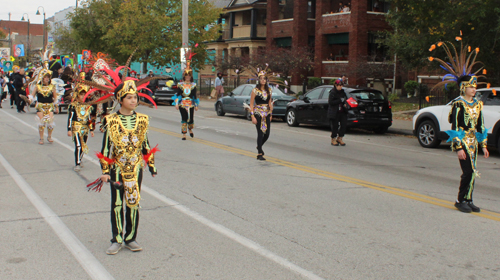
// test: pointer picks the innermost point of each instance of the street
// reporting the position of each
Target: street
(379, 208)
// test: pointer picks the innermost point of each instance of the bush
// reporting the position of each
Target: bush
(313, 82)
(410, 87)
(423, 89)
(393, 97)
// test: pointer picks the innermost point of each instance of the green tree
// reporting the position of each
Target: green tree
(419, 24)
(153, 27)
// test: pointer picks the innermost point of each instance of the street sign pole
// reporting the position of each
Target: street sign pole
(185, 32)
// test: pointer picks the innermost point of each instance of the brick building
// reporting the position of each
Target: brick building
(340, 41)
(19, 33)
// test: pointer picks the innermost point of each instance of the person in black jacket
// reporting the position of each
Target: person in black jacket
(18, 83)
(54, 66)
(337, 112)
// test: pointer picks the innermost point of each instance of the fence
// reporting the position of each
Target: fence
(438, 97)
(205, 85)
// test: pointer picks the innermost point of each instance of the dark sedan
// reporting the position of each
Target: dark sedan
(165, 91)
(233, 103)
(369, 109)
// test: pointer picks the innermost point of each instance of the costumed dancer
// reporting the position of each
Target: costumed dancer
(125, 152)
(81, 121)
(466, 117)
(46, 104)
(185, 100)
(261, 106)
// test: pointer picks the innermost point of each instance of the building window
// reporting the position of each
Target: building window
(381, 6)
(285, 42)
(286, 9)
(376, 50)
(246, 17)
(338, 47)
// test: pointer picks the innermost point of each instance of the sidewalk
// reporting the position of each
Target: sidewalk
(402, 122)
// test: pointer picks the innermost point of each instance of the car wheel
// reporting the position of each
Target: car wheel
(291, 118)
(248, 116)
(427, 135)
(498, 143)
(381, 129)
(219, 110)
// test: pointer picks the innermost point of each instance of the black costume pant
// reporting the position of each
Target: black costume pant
(78, 147)
(187, 121)
(20, 103)
(467, 179)
(261, 136)
(117, 215)
(338, 125)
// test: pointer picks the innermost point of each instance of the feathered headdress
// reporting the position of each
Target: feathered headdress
(113, 82)
(272, 77)
(460, 66)
(189, 56)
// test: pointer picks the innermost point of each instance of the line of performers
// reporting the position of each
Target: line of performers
(126, 150)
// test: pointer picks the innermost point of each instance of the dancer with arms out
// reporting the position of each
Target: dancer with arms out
(467, 132)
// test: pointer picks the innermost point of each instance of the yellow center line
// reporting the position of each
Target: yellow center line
(392, 190)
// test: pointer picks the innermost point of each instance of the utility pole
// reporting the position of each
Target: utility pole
(185, 31)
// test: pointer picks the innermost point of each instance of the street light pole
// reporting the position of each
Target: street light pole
(185, 29)
(38, 13)
(28, 52)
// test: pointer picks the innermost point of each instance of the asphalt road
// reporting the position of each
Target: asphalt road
(379, 208)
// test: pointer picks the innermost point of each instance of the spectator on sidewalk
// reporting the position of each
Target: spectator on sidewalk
(219, 81)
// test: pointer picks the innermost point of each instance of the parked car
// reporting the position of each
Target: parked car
(430, 124)
(164, 93)
(233, 103)
(369, 109)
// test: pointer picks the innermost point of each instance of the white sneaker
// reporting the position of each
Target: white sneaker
(133, 246)
(114, 248)
(77, 168)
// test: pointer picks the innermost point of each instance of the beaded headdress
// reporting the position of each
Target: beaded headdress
(272, 77)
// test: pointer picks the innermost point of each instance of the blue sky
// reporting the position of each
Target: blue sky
(18, 7)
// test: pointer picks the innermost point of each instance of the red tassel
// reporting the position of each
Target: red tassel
(151, 152)
(101, 156)
(148, 98)
(95, 186)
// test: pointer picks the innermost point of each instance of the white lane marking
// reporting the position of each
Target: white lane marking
(91, 265)
(196, 216)
(232, 235)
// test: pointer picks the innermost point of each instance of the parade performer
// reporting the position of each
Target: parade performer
(466, 117)
(46, 104)
(81, 121)
(185, 100)
(261, 106)
(125, 151)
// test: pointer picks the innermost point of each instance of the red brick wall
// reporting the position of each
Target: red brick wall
(272, 14)
(21, 27)
(281, 29)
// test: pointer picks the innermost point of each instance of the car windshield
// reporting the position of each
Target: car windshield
(278, 92)
(368, 95)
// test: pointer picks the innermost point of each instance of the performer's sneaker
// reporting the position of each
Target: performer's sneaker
(114, 248)
(77, 168)
(473, 207)
(133, 246)
(463, 207)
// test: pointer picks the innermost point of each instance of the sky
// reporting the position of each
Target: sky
(18, 7)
